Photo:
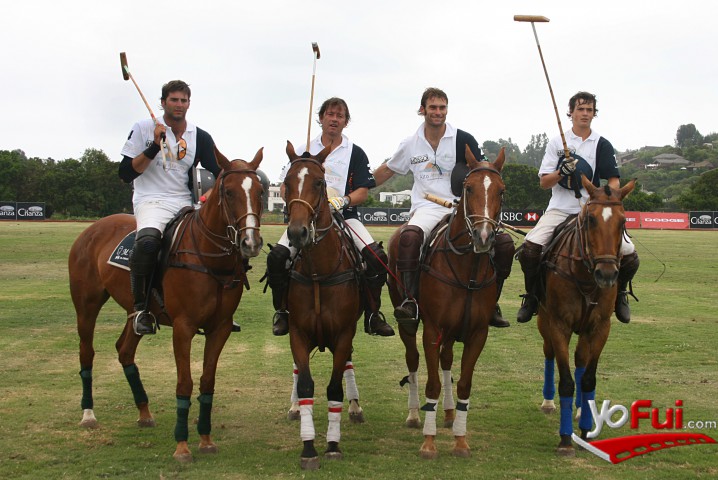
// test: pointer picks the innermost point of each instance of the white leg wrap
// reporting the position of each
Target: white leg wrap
(413, 390)
(430, 417)
(295, 374)
(335, 417)
(447, 386)
(306, 412)
(460, 421)
(351, 382)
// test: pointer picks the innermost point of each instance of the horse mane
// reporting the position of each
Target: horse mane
(607, 189)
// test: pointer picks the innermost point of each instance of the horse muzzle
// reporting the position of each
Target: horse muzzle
(605, 274)
(251, 244)
(482, 239)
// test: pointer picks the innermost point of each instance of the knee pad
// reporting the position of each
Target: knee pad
(148, 241)
(504, 250)
(410, 240)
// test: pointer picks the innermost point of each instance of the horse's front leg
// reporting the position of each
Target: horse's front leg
(566, 388)
(309, 458)
(182, 345)
(549, 383)
(126, 347)
(214, 343)
(335, 400)
(411, 356)
(433, 389)
(591, 346)
(356, 413)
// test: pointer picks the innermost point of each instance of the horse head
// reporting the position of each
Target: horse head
(306, 196)
(601, 224)
(238, 196)
(481, 200)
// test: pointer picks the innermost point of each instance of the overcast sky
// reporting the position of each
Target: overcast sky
(652, 64)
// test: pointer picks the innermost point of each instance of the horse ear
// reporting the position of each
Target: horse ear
(500, 159)
(257, 159)
(590, 187)
(290, 151)
(471, 159)
(324, 153)
(222, 161)
(628, 188)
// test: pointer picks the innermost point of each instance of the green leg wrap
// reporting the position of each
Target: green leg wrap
(181, 429)
(204, 425)
(86, 376)
(133, 378)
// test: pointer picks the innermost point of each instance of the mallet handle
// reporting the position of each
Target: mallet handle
(439, 201)
(530, 18)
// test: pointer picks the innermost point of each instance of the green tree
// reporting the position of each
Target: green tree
(522, 188)
(688, 135)
(703, 195)
(535, 150)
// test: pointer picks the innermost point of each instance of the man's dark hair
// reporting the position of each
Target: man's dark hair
(432, 92)
(579, 99)
(334, 102)
(175, 86)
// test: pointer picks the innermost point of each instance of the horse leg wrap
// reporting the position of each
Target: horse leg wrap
(586, 421)
(549, 385)
(181, 429)
(204, 424)
(86, 376)
(430, 416)
(335, 417)
(578, 375)
(306, 419)
(566, 426)
(351, 382)
(462, 411)
(133, 378)
(447, 387)
(413, 390)
(295, 376)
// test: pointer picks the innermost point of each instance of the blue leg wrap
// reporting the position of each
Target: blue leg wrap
(577, 375)
(566, 427)
(86, 376)
(204, 424)
(549, 385)
(181, 429)
(133, 378)
(586, 422)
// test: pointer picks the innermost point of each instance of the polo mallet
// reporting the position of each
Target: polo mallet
(566, 153)
(128, 76)
(317, 55)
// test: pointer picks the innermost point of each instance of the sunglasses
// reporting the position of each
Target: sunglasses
(181, 149)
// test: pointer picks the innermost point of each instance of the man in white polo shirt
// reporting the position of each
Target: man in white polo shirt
(592, 155)
(432, 154)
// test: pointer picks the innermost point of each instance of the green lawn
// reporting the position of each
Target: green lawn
(666, 353)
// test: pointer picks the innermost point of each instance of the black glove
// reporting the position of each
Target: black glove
(568, 166)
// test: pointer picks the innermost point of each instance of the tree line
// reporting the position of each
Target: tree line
(89, 187)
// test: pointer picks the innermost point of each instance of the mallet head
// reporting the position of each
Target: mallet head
(123, 64)
(315, 49)
(530, 18)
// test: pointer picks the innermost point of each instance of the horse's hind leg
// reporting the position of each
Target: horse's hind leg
(473, 346)
(356, 413)
(549, 382)
(309, 459)
(432, 391)
(293, 412)
(126, 347)
(447, 385)
(335, 397)
(411, 356)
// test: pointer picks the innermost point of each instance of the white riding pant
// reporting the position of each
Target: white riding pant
(427, 219)
(157, 213)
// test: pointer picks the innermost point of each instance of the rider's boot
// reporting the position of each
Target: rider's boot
(143, 259)
(278, 281)
(247, 268)
(530, 259)
(375, 278)
(628, 268)
(407, 264)
(504, 250)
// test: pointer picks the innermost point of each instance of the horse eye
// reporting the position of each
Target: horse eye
(469, 190)
(592, 222)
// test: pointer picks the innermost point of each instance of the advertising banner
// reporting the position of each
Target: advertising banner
(703, 219)
(633, 220)
(664, 221)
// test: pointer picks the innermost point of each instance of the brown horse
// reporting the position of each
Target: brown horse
(202, 286)
(457, 298)
(581, 267)
(324, 301)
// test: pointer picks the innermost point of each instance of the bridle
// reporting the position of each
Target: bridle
(592, 261)
(472, 221)
(316, 233)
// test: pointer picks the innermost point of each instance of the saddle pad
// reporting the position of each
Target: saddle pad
(120, 257)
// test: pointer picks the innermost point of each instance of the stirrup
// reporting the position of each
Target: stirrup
(143, 322)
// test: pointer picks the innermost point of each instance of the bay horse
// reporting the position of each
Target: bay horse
(202, 285)
(580, 267)
(324, 301)
(457, 298)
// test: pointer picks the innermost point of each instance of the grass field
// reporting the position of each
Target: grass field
(667, 353)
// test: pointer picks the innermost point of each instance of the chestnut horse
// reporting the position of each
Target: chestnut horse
(202, 286)
(580, 267)
(324, 301)
(457, 298)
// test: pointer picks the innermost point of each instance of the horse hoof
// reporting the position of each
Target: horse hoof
(146, 422)
(548, 410)
(183, 457)
(333, 455)
(548, 406)
(310, 463)
(356, 417)
(210, 448)
(428, 454)
(565, 452)
(461, 452)
(293, 415)
(89, 423)
(413, 423)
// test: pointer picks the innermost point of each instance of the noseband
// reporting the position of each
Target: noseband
(314, 210)
(473, 220)
(592, 261)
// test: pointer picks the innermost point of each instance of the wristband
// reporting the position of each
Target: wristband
(347, 200)
(152, 151)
